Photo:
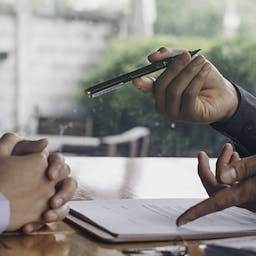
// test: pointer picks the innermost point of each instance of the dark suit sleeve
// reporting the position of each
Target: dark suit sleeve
(241, 128)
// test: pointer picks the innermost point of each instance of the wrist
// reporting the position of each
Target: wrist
(234, 99)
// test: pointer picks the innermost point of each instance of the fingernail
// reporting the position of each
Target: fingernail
(229, 175)
(59, 202)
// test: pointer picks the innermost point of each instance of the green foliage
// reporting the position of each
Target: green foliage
(236, 60)
(201, 17)
(190, 17)
(246, 10)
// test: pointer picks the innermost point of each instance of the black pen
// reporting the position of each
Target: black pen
(119, 81)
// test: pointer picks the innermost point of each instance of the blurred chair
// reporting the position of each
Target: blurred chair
(71, 125)
(131, 143)
(74, 130)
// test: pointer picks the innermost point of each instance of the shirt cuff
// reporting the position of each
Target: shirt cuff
(241, 128)
(4, 213)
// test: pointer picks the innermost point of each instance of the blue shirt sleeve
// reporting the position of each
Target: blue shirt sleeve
(4, 213)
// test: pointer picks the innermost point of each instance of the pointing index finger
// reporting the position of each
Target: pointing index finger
(236, 195)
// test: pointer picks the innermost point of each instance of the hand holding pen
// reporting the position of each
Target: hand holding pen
(190, 90)
(119, 81)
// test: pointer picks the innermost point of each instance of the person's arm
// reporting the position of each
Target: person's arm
(193, 90)
(241, 128)
(4, 213)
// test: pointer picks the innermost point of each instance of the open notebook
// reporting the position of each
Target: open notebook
(128, 220)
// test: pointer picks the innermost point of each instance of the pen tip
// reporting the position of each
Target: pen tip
(192, 53)
(88, 93)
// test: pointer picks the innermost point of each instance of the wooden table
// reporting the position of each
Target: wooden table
(109, 178)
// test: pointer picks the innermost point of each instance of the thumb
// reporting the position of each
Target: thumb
(239, 170)
(7, 143)
(25, 147)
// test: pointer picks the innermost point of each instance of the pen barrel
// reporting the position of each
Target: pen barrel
(117, 82)
(130, 76)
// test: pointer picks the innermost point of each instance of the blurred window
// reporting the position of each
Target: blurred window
(51, 50)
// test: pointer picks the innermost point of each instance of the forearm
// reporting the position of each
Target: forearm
(4, 213)
(241, 128)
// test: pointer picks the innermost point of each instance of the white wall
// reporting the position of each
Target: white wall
(7, 72)
(55, 54)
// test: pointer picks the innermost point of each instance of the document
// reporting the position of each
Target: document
(240, 246)
(155, 219)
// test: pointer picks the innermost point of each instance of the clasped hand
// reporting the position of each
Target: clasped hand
(36, 183)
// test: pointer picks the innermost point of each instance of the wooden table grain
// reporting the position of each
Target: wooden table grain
(111, 178)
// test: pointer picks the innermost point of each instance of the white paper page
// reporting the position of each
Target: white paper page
(147, 217)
